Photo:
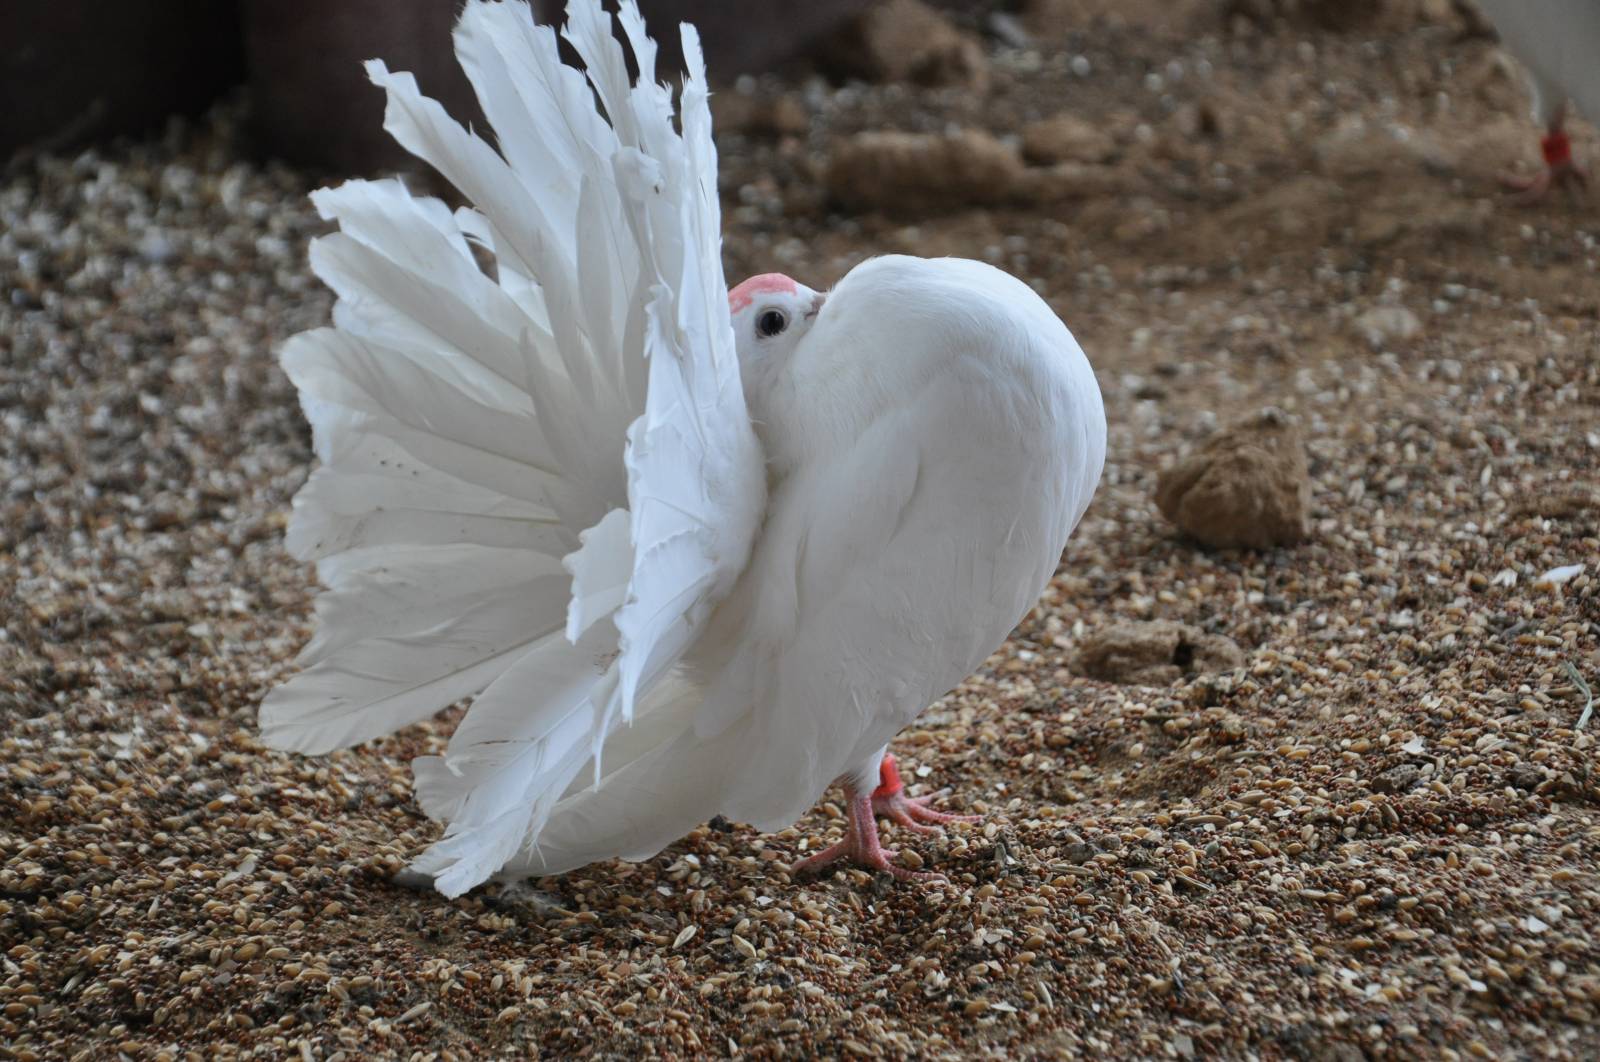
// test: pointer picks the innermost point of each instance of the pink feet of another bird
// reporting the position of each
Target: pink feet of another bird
(1559, 170)
(861, 845)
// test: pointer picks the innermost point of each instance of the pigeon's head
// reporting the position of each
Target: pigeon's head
(771, 314)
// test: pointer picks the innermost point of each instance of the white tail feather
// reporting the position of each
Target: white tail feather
(535, 484)
(390, 679)
(663, 782)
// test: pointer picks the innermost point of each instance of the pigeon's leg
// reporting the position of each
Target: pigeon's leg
(912, 813)
(1559, 168)
(860, 844)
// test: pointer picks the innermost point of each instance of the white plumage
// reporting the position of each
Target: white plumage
(1558, 41)
(688, 559)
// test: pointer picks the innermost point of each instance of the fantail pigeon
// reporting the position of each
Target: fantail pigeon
(690, 551)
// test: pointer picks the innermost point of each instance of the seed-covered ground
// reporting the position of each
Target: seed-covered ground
(1379, 836)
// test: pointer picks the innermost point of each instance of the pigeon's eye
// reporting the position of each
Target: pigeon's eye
(771, 322)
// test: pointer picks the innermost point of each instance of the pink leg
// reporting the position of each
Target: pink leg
(1559, 167)
(861, 845)
(913, 813)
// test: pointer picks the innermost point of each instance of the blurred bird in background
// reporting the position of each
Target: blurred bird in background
(1558, 44)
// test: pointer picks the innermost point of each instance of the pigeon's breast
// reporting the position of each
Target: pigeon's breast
(892, 564)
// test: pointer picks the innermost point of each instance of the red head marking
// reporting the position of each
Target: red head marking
(762, 283)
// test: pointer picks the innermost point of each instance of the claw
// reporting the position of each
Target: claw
(914, 813)
(860, 845)
(1560, 171)
(844, 851)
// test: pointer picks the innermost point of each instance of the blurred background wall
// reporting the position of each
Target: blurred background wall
(72, 71)
(76, 71)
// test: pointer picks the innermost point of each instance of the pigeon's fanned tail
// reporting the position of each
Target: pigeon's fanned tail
(661, 781)
(538, 473)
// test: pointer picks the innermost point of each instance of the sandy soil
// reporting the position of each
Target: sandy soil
(1378, 837)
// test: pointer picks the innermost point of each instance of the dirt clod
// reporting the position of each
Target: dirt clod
(1397, 779)
(1066, 138)
(1386, 327)
(918, 172)
(1562, 503)
(1155, 654)
(1247, 486)
(1352, 16)
(755, 116)
(906, 41)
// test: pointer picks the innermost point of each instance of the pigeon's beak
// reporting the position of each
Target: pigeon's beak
(816, 305)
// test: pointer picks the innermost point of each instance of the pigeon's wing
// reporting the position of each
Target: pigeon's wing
(538, 475)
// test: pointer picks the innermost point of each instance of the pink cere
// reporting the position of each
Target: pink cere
(744, 293)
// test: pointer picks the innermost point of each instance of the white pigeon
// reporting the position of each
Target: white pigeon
(1558, 43)
(692, 552)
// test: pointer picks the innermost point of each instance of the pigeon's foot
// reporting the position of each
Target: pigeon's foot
(913, 813)
(1533, 189)
(1560, 171)
(860, 846)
